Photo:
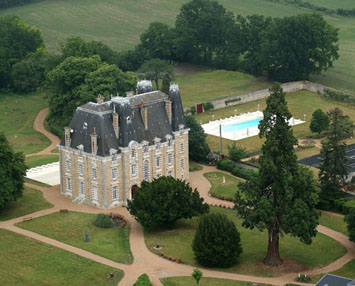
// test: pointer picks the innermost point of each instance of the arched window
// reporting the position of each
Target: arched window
(146, 170)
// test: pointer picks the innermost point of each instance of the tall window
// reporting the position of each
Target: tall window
(145, 149)
(133, 153)
(81, 189)
(158, 162)
(182, 163)
(68, 185)
(157, 147)
(181, 147)
(81, 169)
(115, 193)
(170, 158)
(169, 142)
(94, 174)
(134, 170)
(95, 196)
(67, 165)
(114, 173)
(146, 170)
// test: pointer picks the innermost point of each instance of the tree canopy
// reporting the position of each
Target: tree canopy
(282, 198)
(297, 46)
(319, 122)
(164, 201)
(12, 173)
(156, 69)
(198, 147)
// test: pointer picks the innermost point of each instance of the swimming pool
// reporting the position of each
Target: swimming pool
(241, 125)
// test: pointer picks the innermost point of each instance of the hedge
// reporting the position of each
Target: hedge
(237, 171)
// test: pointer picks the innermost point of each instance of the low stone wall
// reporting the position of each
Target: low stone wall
(263, 93)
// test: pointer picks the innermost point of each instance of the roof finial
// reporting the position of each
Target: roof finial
(94, 131)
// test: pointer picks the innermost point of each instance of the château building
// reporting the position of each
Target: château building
(110, 147)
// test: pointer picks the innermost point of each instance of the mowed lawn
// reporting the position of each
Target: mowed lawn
(297, 256)
(31, 201)
(39, 160)
(205, 86)
(205, 281)
(70, 228)
(24, 261)
(335, 222)
(348, 270)
(300, 103)
(228, 189)
(17, 113)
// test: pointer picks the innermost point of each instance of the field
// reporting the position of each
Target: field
(228, 189)
(70, 228)
(24, 261)
(39, 160)
(189, 281)
(31, 201)
(119, 23)
(17, 113)
(297, 256)
(299, 103)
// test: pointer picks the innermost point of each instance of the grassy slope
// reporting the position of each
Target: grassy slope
(17, 114)
(299, 103)
(334, 221)
(227, 189)
(189, 281)
(119, 23)
(24, 261)
(177, 243)
(31, 201)
(39, 160)
(70, 228)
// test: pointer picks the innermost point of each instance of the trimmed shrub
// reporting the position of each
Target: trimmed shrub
(217, 241)
(237, 171)
(103, 221)
(143, 280)
(207, 106)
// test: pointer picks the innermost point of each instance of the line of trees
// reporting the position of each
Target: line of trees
(12, 3)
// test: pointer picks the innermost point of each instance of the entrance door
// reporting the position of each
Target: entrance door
(132, 191)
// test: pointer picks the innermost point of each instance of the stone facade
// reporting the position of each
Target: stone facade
(95, 174)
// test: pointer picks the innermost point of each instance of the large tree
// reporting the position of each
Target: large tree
(157, 69)
(297, 46)
(17, 41)
(12, 173)
(282, 198)
(334, 163)
(319, 122)
(198, 147)
(164, 201)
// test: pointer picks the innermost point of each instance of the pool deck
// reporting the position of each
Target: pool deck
(212, 127)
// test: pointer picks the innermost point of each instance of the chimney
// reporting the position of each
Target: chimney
(144, 114)
(94, 142)
(67, 136)
(100, 99)
(168, 109)
(115, 122)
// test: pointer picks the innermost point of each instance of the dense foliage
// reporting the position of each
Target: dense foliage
(350, 219)
(236, 153)
(143, 280)
(334, 163)
(103, 221)
(157, 69)
(283, 197)
(12, 173)
(319, 121)
(339, 96)
(198, 147)
(12, 3)
(237, 171)
(217, 241)
(164, 201)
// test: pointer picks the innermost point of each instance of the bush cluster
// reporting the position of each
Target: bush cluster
(339, 96)
(143, 280)
(103, 221)
(232, 100)
(171, 258)
(237, 171)
(223, 198)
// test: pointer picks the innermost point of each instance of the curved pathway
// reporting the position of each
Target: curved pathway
(38, 125)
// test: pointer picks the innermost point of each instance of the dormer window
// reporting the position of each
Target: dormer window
(145, 149)
(157, 147)
(133, 153)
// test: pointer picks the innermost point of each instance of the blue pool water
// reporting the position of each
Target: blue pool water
(241, 125)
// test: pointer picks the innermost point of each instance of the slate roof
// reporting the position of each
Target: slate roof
(131, 126)
(334, 280)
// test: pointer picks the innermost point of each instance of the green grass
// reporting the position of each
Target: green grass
(31, 201)
(205, 281)
(304, 153)
(209, 85)
(120, 23)
(228, 189)
(40, 160)
(70, 227)
(298, 256)
(348, 271)
(24, 261)
(193, 167)
(334, 222)
(17, 113)
(34, 182)
(299, 103)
